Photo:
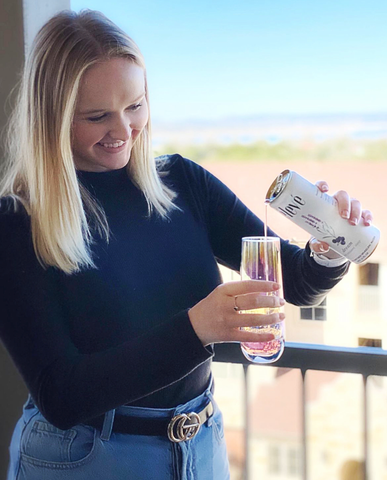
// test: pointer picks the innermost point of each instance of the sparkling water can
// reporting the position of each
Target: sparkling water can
(316, 212)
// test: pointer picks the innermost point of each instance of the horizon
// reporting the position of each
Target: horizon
(364, 115)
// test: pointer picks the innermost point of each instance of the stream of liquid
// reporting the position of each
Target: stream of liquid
(265, 224)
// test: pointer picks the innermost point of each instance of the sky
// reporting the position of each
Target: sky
(211, 59)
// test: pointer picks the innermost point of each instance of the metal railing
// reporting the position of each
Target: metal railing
(365, 361)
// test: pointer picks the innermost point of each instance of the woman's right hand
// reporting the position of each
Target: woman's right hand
(215, 320)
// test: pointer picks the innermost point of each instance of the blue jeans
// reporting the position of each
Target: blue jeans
(40, 451)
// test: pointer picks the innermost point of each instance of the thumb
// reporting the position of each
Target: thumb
(318, 246)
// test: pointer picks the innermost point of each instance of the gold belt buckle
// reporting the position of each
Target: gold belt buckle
(183, 427)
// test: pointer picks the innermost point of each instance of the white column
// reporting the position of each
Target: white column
(36, 13)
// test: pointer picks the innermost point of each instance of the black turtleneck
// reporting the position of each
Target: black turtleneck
(120, 333)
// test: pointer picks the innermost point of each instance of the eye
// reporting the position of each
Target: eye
(97, 119)
(135, 107)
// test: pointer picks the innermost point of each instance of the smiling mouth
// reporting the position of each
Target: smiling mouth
(112, 145)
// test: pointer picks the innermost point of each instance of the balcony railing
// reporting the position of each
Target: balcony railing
(365, 361)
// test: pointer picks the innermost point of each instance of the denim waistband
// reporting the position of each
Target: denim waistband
(193, 405)
(107, 420)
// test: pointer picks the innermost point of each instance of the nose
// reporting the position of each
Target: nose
(121, 129)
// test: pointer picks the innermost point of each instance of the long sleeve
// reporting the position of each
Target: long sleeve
(228, 220)
(120, 333)
(67, 384)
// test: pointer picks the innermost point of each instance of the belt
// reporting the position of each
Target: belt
(181, 427)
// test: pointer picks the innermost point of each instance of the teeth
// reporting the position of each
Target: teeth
(113, 145)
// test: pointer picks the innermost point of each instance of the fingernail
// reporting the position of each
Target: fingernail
(281, 316)
(276, 286)
(282, 302)
(267, 337)
(345, 214)
(324, 188)
(354, 221)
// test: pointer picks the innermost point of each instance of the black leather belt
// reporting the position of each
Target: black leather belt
(181, 427)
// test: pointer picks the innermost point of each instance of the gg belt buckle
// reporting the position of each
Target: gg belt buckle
(183, 427)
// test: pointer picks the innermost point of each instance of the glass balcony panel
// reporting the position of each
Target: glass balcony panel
(377, 427)
(229, 394)
(275, 423)
(335, 426)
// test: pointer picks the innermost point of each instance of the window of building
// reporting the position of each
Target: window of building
(369, 296)
(314, 313)
(274, 459)
(370, 342)
(294, 467)
(369, 274)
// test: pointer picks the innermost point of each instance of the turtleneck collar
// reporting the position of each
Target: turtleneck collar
(120, 172)
(107, 179)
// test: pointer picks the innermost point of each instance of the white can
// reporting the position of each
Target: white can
(317, 213)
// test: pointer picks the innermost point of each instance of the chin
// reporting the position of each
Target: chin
(109, 163)
(113, 165)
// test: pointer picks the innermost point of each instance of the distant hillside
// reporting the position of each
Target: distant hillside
(343, 150)
(345, 137)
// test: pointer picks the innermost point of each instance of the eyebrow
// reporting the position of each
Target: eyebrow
(99, 110)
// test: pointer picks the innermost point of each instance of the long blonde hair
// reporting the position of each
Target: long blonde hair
(39, 169)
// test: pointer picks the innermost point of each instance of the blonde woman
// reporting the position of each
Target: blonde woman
(109, 288)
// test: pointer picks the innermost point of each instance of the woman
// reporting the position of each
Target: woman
(109, 285)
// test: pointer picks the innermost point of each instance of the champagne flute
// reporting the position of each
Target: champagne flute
(261, 260)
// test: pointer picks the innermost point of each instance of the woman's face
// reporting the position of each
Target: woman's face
(111, 112)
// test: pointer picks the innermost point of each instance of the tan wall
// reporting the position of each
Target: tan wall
(11, 52)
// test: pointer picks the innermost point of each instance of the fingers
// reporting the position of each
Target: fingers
(318, 246)
(214, 318)
(248, 286)
(253, 328)
(367, 217)
(255, 320)
(344, 203)
(253, 301)
(322, 185)
(356, 212)
(255, 335)
(349, 208)
(252, 335)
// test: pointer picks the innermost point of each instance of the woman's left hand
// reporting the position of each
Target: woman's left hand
(349, 208)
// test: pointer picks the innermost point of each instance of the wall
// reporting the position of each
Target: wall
(20, 20)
